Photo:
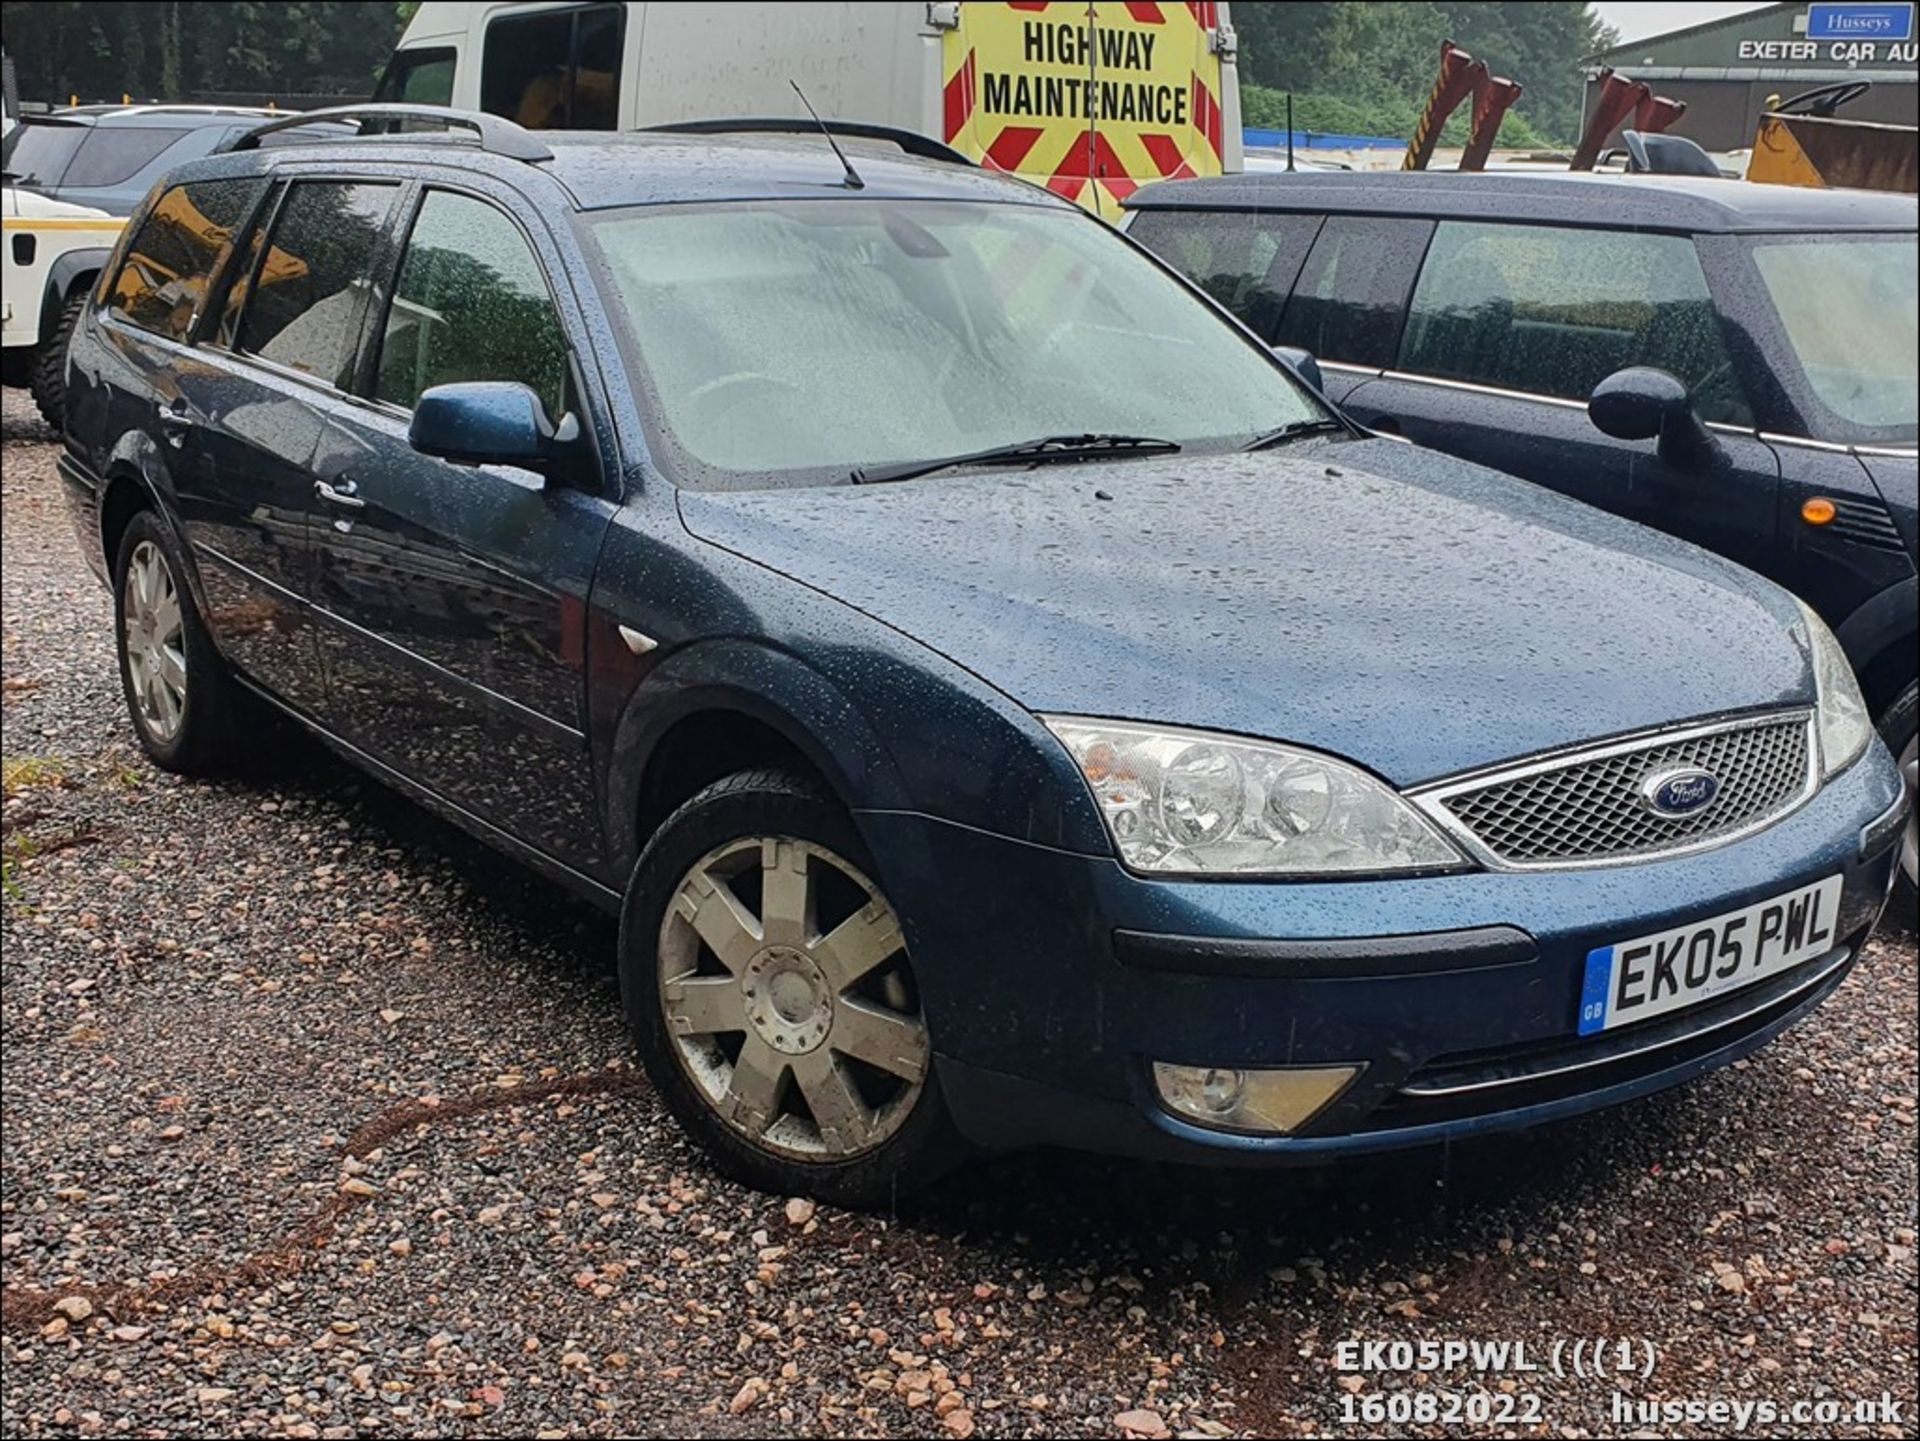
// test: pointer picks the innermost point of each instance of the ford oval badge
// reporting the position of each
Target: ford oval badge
(1675, 794)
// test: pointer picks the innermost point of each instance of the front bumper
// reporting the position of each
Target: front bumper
(1052, 981)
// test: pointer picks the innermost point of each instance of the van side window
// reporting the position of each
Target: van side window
(1353, 289)
(471, 304)
(555, 69)
(1550, 310)
(1246, 262)
(172, 260)
(418, 77)
(309, 297)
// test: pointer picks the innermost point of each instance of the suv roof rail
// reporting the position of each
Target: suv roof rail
(497, 136)
(912, 142)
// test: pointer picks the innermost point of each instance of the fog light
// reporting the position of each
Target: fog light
(1274, 1102)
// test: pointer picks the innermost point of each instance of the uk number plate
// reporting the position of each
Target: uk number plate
(1636, 980)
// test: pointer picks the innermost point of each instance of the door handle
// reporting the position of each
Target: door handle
(340, 495)
(175, 422)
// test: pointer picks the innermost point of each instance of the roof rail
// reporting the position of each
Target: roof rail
(497, 136)
(910, 141)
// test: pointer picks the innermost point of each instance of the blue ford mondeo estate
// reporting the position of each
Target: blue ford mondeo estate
(1004, 704)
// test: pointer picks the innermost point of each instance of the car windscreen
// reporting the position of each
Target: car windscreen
(38, 155)
(1847, 306)
(792, 342)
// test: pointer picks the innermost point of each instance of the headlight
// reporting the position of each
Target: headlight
(1843, 722)
(1188, 803)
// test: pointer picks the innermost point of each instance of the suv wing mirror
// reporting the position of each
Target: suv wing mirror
(488, 422)
(1640, 403)
(1302, 364)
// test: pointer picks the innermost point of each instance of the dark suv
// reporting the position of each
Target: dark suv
(109, 157)
(1000, 702)
(1732, 363)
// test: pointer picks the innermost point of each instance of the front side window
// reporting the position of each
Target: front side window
(171, 261)
(1847, 305)
(555, 69)
(1246, 262)
(1353, 289)
(309, 295)
(471, 304)
(791, 342)
(114, 155)
(1548, 310)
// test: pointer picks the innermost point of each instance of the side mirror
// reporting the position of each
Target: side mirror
(487, 422)
(1640, 403)
(1301, 363)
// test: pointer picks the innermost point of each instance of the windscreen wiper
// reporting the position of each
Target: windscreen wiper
(1297, 430)
(1047, 450)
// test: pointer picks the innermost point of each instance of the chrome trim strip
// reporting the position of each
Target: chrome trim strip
(1906, 453)
(1837, 959)
(1346, 369)
(1476, 389)
(1805, 442)
(1430, 798)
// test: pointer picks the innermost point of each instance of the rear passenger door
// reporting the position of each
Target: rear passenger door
(284, 341)
(452, 598)
(1512, 326)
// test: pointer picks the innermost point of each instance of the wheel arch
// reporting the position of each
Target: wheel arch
(74, 269)
(716, 707)
(1879, 638)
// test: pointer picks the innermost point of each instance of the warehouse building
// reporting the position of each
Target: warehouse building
(1728, 71)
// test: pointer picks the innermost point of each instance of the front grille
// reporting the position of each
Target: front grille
(1590, 806)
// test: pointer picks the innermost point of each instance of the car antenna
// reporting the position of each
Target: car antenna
(853, 181)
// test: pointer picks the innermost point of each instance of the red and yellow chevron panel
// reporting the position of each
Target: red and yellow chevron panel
(1092, 100)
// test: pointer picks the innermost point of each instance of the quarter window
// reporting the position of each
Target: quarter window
(1246, 262)
(471, 304)
(310, 293)
(555, 69)
(1554, 311)
(172, 259)
(1353, 289)
(418, 77)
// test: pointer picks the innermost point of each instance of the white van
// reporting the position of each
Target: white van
(1091, 100)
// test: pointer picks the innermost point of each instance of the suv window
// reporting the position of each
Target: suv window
(1353, 289)
(1246, 262)
(555, 69)
(306, 312)
(112, 155)
(1549, 310)
(37, 154)
(471, 304)
(171, 260)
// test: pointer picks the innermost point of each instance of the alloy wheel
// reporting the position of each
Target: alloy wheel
(155, 641)
(790, 1000)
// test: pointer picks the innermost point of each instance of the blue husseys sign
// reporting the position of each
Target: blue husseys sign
(1860, 22)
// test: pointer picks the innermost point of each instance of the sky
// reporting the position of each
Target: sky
(1637, 19)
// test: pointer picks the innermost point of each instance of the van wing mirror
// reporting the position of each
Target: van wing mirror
(1641, 403)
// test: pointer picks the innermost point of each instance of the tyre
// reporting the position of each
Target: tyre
(1899, 726)
(770, 993)
(49, 381)
(182, 701)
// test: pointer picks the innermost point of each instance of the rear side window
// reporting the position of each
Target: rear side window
(1353, 289)
(309, 296)
(471, 304)
(1246, 262)
(112, 156)
(555, 69)
(171, 261)
(38, 155)
(1554, 311)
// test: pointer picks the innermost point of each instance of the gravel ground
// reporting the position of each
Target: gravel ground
(318, 1120)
